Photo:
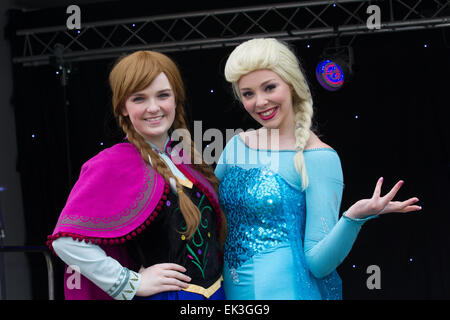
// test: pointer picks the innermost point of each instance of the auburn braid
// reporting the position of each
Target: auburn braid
(203, 168)
(189, 211)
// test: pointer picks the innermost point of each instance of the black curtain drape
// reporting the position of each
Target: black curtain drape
(399, 94)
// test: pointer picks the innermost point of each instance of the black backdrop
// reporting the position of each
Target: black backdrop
(399, 93)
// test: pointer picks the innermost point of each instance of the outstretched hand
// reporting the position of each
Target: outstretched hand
(380, 205)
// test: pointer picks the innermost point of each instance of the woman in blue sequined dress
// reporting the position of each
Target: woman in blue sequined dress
(281, 187)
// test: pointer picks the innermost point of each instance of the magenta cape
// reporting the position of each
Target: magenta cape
(115, 198)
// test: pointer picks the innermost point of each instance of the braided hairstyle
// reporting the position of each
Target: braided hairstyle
(134, 73)
(274, 55)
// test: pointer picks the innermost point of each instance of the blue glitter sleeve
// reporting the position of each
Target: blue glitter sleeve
(264, 256)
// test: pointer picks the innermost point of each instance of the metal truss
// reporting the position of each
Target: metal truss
(225, 27)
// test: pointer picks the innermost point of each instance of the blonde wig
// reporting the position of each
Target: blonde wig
(274, 55)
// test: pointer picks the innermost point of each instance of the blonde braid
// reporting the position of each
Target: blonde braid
(277, 56)
(303, 116)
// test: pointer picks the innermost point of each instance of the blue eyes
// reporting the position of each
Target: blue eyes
(268, 88)
(163, 95)
(138, 99)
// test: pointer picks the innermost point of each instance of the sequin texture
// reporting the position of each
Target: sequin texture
(260, 212)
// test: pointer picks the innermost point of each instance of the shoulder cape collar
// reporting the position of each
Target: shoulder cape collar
(117, 196)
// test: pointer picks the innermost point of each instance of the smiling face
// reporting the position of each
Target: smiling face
(267, 98)
(152, 110)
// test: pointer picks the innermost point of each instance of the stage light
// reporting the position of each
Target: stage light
(330, 75)
(335, 68)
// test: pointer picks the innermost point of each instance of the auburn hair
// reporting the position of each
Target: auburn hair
(134, 73)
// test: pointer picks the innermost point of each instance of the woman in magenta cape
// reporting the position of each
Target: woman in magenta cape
(143, 219)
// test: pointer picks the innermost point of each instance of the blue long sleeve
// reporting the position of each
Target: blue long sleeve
(300, 240)
(328, 239)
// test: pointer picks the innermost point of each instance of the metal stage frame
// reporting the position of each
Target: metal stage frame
(225, 27)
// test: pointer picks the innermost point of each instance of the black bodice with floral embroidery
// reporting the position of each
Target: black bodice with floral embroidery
(163, 241)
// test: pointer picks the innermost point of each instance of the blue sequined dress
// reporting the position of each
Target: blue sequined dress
(282, 242)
